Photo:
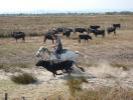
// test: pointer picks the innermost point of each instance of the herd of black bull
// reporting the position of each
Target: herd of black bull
(95, 29)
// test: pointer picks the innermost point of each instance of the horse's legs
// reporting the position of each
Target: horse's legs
(68, 71)
(82, 69)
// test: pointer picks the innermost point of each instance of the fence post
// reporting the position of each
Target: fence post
(23, 98)
(6, 96)
(59, 98)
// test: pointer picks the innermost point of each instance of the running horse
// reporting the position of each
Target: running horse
(65, 54)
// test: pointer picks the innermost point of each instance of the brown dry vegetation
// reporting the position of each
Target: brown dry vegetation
(116, 50)
(40, 24)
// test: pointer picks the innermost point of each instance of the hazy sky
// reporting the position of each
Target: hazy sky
(45, 6)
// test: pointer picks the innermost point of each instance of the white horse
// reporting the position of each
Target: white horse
(65, 55)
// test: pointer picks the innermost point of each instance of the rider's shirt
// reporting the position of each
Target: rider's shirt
(58, 44)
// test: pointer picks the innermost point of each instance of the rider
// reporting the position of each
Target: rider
(58, 46)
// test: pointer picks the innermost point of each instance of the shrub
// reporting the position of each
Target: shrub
(24, 78)
(5, 35)
(75, 84)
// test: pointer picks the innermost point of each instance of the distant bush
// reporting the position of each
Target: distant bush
(24, 78)
(2, 35)
(5, 35)
(119, 13)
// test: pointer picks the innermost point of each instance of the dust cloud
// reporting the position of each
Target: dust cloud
(104, 69)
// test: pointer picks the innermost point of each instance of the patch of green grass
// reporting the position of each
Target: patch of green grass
(5, 35)
(24, 78)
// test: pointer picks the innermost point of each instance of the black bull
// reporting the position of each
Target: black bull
(117, 25)
(18, 35)
(54, 67)
(50, 35)
(81, 30)
(94, 27)
(67, 33)
(84, 37)
(111, 29)
(97, 32)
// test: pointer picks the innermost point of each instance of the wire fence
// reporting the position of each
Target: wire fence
(6, 97)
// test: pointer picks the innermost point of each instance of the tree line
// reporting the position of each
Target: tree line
(69, 13)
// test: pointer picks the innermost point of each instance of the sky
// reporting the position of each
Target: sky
(64, 6)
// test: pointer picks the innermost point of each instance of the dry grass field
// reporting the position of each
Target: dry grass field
(40, 24)
(108, 61)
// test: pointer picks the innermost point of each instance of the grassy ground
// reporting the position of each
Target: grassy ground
(115, 50)
(23, 54)
(40, 24)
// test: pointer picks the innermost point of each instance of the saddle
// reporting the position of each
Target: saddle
(63, 51)
(57, 60)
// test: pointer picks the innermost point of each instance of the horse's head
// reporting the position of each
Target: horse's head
(79, 53)
(42, 49)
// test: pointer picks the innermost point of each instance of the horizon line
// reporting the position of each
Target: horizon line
(68, 12)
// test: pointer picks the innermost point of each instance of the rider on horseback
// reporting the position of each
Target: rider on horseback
(58, 46)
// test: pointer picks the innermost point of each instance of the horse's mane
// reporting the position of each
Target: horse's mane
(42, 48)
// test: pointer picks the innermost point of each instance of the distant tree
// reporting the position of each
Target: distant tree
(120, 13)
